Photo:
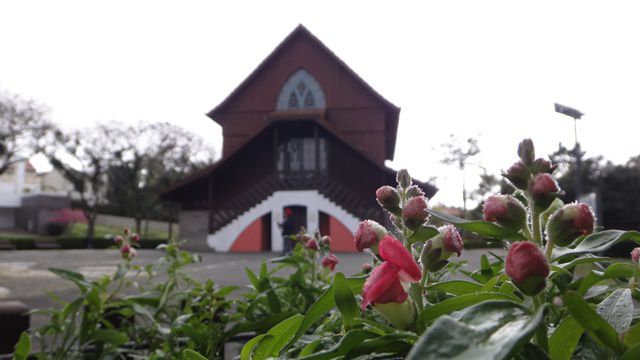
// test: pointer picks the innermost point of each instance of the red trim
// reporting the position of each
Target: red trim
(250, 239)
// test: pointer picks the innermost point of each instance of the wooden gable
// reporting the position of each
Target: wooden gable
(363, 117)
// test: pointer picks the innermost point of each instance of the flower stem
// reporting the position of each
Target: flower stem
(535, 221)
(541, 332)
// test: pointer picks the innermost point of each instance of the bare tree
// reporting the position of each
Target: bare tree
(153, 156)
(22, 124)
(459, 153)
(84, 157)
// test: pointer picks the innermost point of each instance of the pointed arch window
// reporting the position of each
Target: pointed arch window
(301, 91)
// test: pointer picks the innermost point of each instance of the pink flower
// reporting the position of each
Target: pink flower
(368, 234)
(386, 282)
(415, 212)
(312, 244)
(527, 267)
(635, 255)
(118, 240)
(329, 261)
(326, 240)
(135, 237)
(452, 239)
(506, 211)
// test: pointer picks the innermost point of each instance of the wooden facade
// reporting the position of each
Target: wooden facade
(302, 121)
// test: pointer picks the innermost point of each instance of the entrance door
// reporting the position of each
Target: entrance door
(299, 216)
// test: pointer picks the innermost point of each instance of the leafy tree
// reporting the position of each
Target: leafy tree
(22, 124)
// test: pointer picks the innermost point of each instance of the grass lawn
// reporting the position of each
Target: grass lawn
(101, 231)
(5, 235)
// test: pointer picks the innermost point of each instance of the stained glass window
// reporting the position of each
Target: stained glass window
(301, 91)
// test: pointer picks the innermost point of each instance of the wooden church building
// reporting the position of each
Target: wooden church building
(302, 131)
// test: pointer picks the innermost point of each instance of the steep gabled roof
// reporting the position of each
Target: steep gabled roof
(392, 111)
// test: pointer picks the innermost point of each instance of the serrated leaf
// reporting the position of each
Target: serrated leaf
(617, 310)
(564, 339)
(598, 242)
(482, 228)
(589, 319)
(344, 300)
(490, 330)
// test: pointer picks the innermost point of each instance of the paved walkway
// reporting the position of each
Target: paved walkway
(24, 275)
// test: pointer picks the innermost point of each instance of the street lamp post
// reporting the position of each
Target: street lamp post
(576, 115)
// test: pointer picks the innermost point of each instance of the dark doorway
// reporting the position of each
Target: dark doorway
(266, 232)
(299, 216)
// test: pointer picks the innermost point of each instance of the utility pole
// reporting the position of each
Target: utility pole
(576, 115)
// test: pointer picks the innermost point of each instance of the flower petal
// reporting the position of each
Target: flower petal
(378, 282)
(392, 250)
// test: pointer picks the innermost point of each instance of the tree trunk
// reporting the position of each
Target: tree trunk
(146, 227)
(138, 220)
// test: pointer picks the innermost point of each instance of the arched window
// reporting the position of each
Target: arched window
(301, 91)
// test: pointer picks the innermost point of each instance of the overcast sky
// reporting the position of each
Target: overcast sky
(487, 69)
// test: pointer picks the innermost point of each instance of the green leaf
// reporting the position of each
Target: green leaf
(587, 259)
(545, 215)
(310, 348)
(349, 341)
(457, 303)
(591, 321)
(423, 233)
(455, 287)
(254, 279)
(113, 337)
(189, 354)
(247, 349)
(564, 339)
(632, 337)
(73, 276)
(632, 354)
(344, 300)
(490, 330)
(324, 304)
(22, 348)
(617, 310)
(279, 337)
(274, 302)
(482, 228)
(395, 343)
(598, 242)
(620, 270)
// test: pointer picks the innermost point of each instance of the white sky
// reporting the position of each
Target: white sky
(488, 69)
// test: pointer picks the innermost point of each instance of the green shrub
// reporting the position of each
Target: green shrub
(22, 243)
(152, 243)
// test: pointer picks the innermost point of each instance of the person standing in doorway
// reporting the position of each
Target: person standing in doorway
(288, 229)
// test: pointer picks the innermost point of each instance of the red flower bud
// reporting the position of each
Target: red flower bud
(126, 230)
(635, 255)
(415, 212)
(527, 267)
(541, 165)
(366, 268)
(452, 239)
(311, 244)
(326, 240)
(526, 151)
(439, 248)
(127, 251)
(388, 198)
(392, 250)
(368, 234)
(544, 184)
(135, 237)
(569, 222)
(506, 211)
(518, 175)
(118, 240)
(329, 261)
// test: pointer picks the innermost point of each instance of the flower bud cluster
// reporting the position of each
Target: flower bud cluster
(127, 244)
(315, 244)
